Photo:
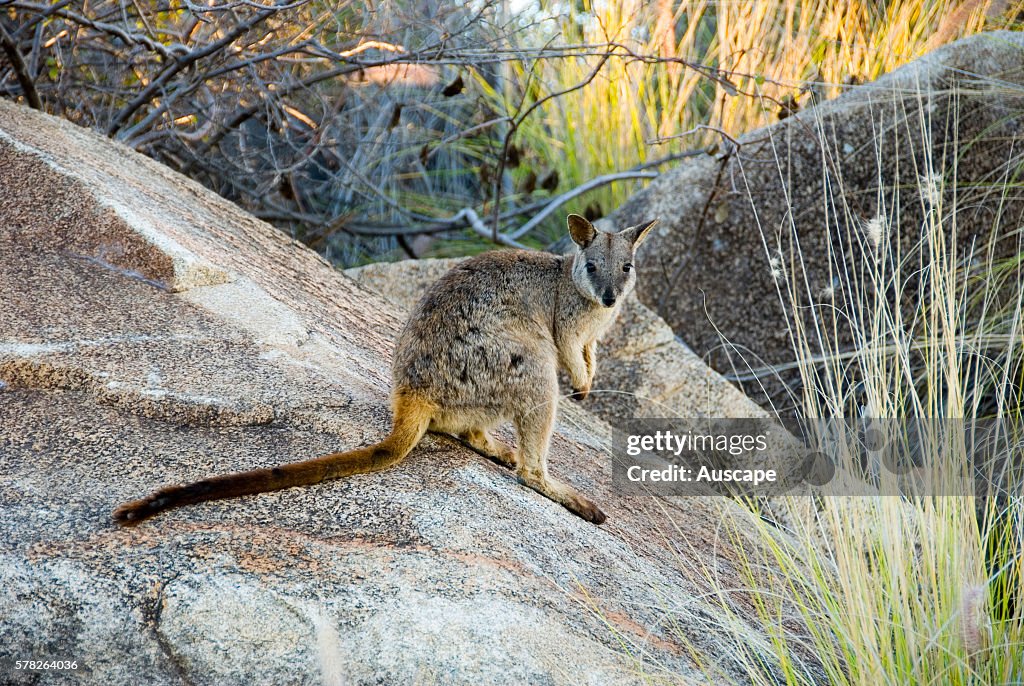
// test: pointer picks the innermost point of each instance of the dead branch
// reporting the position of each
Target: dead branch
(28, 86)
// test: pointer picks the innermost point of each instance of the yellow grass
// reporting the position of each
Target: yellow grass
(770, 54)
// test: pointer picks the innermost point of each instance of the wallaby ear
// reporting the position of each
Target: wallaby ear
(581, 230)
(638, 233)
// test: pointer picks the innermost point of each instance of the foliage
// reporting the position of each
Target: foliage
(358, 126)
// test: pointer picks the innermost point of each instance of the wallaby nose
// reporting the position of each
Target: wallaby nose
(608, 299)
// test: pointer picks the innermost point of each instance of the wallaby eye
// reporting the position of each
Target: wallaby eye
(591, 267)
(627, 267)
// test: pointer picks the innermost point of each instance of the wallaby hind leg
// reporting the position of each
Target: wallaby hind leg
(487, 445)
(534, 431)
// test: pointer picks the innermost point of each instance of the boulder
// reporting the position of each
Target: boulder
(806, 201)
(151, 333)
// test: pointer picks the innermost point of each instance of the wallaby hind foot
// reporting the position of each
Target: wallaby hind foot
(566, 496)
(490, 447)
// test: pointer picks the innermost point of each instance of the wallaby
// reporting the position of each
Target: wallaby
(481, 347)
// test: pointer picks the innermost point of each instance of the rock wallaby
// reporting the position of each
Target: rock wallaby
(482, 346)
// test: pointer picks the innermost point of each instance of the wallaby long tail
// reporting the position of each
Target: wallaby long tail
(411, 421)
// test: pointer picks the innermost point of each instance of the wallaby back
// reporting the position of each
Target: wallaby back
(481, 347)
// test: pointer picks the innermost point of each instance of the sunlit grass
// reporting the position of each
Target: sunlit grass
(774, 55)
(927, 587)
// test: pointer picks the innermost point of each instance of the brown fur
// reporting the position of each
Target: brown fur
(482, 346)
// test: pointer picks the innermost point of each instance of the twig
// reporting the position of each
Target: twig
(179, 93)
(579, 190)
(545, 207)
(519, 119)
(112, 29)
(28, 87)
(184, 61)
(468, 132)
(690, 132)
(428, 54)
(247, 113)
(403, 243)
(198, 9)
(480, 228)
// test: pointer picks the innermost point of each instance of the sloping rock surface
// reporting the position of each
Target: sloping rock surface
(153, 333)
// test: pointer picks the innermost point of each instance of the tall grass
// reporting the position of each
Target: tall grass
(927, 587)
(786, 54)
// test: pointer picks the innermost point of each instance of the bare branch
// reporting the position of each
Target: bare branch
(495, 217)
(690, 132)
(28, 86)
(576, 192)
(127, 36)
(182, 62)
(539, 210)
(326, 127)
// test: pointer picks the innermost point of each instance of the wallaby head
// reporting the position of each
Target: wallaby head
(603, 265)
